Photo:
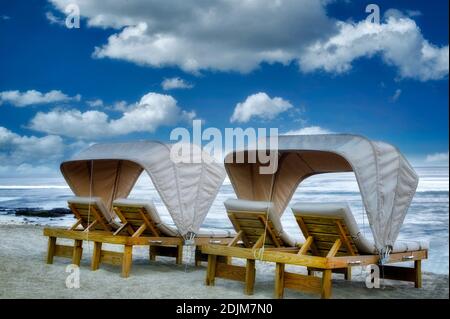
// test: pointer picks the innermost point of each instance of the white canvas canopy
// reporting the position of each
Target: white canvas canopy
(187, 187)
(386, 180)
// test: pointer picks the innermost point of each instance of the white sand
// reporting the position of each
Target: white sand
(24, 274)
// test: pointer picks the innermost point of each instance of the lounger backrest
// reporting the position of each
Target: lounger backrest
(326, 223)
(136, 213)
(250, 217)
(89, 210)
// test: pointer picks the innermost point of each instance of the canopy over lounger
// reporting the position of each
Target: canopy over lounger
(386, 180)
(187, 187)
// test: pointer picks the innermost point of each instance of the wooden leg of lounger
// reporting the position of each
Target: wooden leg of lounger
(249, 276)
(326, 284)
(211, 270)
(96, 256)
(152, 252)
(310, 272)
(179, 258)
(77, 252)
(198, 261)
(348, 273)
(126, 262)
(418, 269)
(279, 281)
(198, 256)
(51, 249)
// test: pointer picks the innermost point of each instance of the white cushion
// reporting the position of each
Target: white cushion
(151, 211)
(93, 201)
(258, 207)
(214, 233)
(148, 206)
(342, 210)
(401, 246)
(166, 229)
(172, 231)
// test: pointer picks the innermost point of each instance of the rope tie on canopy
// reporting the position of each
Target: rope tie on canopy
(259, 252)
(189, 243)
(90, 199)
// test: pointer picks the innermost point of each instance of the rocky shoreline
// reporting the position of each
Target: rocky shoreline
(36, 211)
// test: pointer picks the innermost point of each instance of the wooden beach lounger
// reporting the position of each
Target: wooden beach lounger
(91, 217)
(256, 226)
(140, 226)
(334, 243)
(140, 219)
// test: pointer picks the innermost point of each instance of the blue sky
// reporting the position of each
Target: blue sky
(314, 66)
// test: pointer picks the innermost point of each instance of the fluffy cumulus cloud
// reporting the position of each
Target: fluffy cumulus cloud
(16, 149)
(398, 41)
(175, 83)
(261, 106)
(309, 130)
(152, 111)
(199, 35)
(33, 97)
(437, 158)
(239, 35)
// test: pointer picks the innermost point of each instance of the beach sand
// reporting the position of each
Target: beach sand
(24, 274)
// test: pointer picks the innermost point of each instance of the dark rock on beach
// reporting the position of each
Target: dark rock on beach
(38, 212)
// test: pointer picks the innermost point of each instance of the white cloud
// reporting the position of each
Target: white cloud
(396, 95)
(5, 17)
(175, 83)
(152, 111)
(239, 35)
(259, 105)
(32, 97)
(54, 19)
(95, 103)
(219, 35)
(437, 158)
(398, 41)
(118, 106)
(16, 149)
(121, 106)
(309, 130)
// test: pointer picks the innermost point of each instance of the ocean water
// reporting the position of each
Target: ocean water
(427, 218)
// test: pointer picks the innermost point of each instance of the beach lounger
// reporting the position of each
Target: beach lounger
(140, 225)
(334, 243)
(257, 226)
(141, 221)
(91, 216)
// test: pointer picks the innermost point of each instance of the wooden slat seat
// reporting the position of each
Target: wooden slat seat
(256, 227)
(332, 231)
(91, 215)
